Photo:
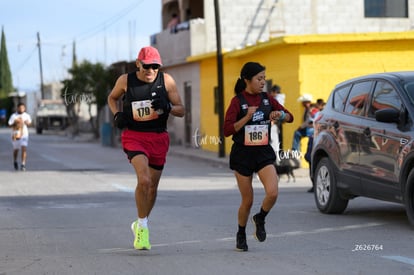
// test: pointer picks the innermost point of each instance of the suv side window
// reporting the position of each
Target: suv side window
(358, 98)
(384, 97)
(339, 98)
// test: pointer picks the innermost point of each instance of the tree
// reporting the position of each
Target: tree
(90, 84)
(6, 82)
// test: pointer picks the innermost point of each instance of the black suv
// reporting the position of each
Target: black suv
(364, 143)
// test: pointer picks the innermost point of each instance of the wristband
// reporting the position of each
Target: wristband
(282, 116)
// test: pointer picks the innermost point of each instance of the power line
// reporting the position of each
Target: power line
(26, 60)
(98, 28)
(87, 34)
(103, 26)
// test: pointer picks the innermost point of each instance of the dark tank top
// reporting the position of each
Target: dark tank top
(260, 119)
(137, 104)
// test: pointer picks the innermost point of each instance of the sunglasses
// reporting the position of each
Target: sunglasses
(150, 66)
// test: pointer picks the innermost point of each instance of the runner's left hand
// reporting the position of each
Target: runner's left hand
(162, 103)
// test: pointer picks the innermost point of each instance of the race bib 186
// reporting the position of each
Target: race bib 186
(255, 135)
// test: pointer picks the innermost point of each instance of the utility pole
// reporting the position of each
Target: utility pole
(220, 93)
(40, 64)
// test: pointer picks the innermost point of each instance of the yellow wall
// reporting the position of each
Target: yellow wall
(303, 64)
(208, 119)
(324, 65)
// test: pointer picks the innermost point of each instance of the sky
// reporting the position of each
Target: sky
(103, 31)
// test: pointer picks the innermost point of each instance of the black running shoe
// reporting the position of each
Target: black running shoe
(241, 244)
(16, 166)
(260, 233)
(23, 167)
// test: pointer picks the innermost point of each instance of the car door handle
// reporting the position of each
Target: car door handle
(367, 131)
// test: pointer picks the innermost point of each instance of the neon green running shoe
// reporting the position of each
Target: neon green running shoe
(141, 237)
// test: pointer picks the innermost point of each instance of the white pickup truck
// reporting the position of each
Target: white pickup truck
(51, 115)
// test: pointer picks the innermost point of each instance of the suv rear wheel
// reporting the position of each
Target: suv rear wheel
(327, 197)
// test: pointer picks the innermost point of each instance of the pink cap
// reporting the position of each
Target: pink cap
(149, 55)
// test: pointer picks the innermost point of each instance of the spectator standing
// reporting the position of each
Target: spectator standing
(314, 112)
(277, 126)
(172, 24)
(305, 129)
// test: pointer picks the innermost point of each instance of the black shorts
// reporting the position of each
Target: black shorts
(250, 159)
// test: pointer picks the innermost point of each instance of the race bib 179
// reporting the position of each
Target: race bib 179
(142, 111)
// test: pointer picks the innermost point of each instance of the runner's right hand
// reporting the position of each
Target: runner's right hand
(120, 121)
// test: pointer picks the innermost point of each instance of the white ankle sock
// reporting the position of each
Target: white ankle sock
(143, 222)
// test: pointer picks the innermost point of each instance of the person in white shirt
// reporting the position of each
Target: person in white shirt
(20, 135)
(276, 129)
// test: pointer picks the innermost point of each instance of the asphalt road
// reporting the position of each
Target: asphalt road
(70, 213)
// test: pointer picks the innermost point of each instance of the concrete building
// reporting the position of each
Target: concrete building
(306, 45)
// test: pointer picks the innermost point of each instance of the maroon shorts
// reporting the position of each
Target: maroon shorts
(153, 145)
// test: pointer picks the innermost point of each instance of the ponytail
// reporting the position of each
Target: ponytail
(240, 86)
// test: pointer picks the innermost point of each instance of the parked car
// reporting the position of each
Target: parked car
(364, 143)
